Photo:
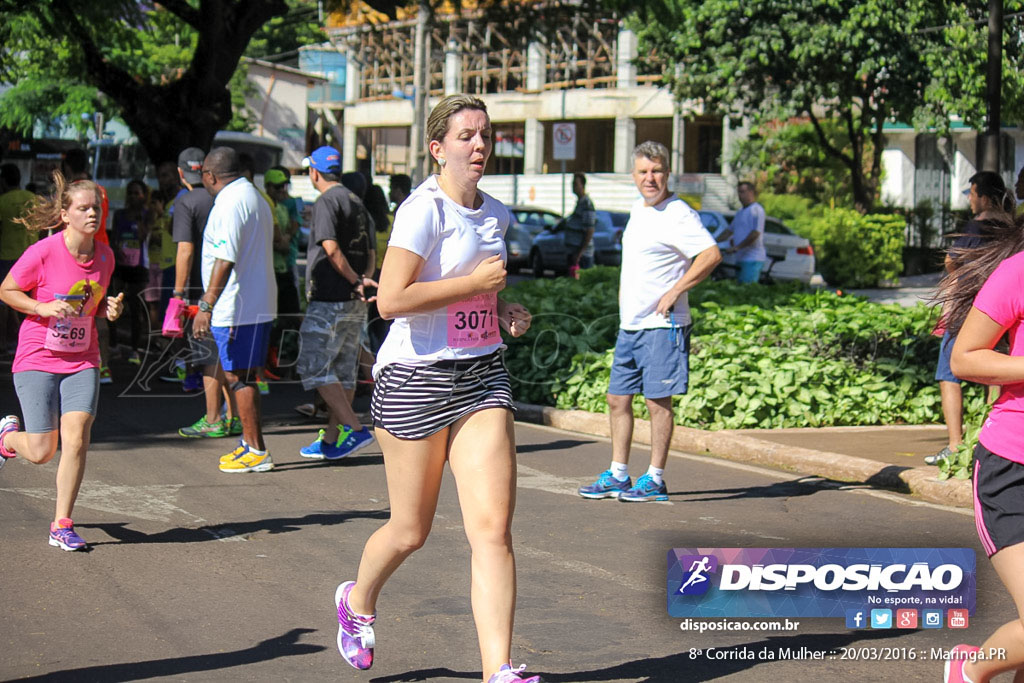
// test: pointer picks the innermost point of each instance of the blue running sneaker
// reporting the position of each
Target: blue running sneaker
(353, 441)
(315, 450)
(644, 491)
(606, 486)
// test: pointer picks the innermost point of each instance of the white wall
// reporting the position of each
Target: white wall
(279, 104)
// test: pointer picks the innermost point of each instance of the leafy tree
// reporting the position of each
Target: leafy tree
(163, 68)
(858, 63)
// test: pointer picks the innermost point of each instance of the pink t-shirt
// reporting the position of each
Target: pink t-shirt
(1002, 299)
(45, 270)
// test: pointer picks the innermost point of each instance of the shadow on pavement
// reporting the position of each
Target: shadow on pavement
(804, 486)
(273, 648)
(280, 525)
(357, 461)
(559, 445)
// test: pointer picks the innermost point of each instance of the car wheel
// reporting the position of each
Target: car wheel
(537, 264)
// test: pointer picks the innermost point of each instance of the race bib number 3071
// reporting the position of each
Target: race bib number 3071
(473, 322)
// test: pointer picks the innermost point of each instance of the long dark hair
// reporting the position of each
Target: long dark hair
(973, 266)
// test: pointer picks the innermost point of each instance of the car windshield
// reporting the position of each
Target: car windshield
(534, 220)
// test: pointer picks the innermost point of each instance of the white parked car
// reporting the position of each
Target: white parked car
(793, 256)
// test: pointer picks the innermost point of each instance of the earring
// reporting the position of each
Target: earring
(441, 162)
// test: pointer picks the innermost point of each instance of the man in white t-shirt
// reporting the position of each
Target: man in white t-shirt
(746, 235)
(239, 302)
(666, 252)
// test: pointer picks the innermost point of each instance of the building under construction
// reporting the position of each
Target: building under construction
(535, 65)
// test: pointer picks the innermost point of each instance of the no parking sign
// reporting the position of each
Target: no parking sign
(564, 137)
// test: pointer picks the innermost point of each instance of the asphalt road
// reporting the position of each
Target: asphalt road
(202, 576)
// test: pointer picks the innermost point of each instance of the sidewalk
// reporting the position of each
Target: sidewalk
(884, 457)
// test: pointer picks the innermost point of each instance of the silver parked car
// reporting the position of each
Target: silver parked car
(793, 255)
(527, 223)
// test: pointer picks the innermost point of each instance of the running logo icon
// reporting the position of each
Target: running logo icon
(696, 580)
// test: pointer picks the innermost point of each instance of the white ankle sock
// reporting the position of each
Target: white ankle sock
(620, 471)
(256, 452)
(656, 474)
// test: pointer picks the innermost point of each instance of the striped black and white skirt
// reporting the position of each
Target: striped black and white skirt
(413, 402)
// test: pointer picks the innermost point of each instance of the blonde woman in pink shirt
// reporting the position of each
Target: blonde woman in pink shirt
(60, 283)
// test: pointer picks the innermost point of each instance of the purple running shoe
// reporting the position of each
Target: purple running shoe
(506, 674)
(62, 535)
(355, 633)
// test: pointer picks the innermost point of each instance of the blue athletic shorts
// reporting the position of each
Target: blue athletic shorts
(942, 371)
(242, 347)
(655, 363)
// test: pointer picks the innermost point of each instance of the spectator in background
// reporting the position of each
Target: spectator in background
(745, 237)
(14, 240)
(666, 251)
(579, 227)
(989, 201)
(286, 252)
(1019, 187)
(128, 233)
(191, 212)
(376, 327)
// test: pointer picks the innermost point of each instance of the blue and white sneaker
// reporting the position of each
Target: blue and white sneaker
(606, 486)
(315, 450)
(353, 441)
(644, 491)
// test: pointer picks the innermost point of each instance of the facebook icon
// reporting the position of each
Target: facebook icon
(856, 618)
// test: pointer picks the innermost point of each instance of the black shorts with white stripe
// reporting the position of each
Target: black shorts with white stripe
(413, 402)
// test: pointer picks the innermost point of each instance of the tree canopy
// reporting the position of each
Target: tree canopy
(856, 63)
(164, 68)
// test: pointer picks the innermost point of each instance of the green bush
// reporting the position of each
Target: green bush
(761, 356)
(798, 213)
(858, 251)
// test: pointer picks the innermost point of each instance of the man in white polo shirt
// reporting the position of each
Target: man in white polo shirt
(666, 252)
(239, 301)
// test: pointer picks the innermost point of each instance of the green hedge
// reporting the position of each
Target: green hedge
(858, 251)
(778, 356)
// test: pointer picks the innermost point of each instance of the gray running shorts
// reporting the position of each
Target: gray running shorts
(46, 396)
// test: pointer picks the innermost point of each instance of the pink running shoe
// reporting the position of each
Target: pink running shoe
(62, 535)
(958, 656)
(355, 633)
(8, 425)
(506, 674)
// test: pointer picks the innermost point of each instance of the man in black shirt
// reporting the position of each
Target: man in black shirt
(339, 263)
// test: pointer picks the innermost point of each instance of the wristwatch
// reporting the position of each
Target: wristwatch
(178, 293)
(204, 307)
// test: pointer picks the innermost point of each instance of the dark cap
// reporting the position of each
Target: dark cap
(190, 162)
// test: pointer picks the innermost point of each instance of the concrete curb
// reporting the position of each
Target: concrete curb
(919, 481)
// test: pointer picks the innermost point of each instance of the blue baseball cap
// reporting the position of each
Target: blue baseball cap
(324, 159)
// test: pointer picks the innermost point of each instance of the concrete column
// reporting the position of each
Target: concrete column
(533, 142)
(625, 63)
(348, 148)
(452, 69)
(536, 66)
(353, 77)
(625, 142)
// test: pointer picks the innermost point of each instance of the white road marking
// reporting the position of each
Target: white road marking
(154, 503)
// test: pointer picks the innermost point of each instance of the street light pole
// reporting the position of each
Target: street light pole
(993, 86)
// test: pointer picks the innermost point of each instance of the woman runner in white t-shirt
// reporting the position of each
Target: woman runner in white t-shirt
(441, 390)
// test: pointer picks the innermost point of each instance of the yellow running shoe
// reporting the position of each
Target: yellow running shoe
(249, 462)
(239, 451)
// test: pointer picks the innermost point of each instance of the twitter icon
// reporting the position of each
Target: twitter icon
(881, 618)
